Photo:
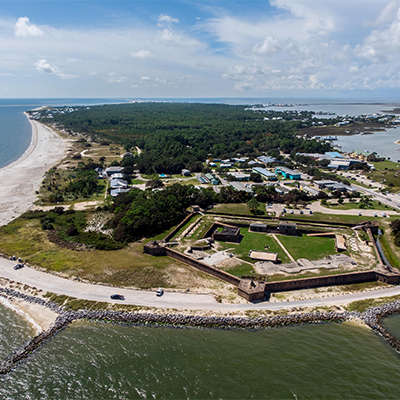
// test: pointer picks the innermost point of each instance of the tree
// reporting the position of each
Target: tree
(253, 205)
(255, 177)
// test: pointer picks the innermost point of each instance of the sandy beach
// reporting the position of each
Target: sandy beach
(20, 179)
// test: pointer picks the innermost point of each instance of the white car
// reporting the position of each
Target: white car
(159, 292)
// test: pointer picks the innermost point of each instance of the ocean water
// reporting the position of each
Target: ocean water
(15, 129)
(100, 361)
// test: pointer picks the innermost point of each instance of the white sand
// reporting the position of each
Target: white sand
(23, 177)
(40, 317)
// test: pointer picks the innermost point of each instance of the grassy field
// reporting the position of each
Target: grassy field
(237, 208)
(383, 165)
(388, 173)
(375, 205)
(388, 246)
(255, 241)
(241, 270)
(353, 219)
(184, 182)
(312, 248)
(184, 227)
(126, 267)
(137, 181)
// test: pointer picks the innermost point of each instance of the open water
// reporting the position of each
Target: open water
(98, 361)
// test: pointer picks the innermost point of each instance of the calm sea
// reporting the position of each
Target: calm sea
(98, 361)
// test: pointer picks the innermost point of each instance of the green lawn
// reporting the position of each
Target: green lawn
(184, 227)
(312, 248)
(237, 208)
(354, 219)
(388, 173)
(381, 165)
(255, 241)
(376, 205)
(241, 270)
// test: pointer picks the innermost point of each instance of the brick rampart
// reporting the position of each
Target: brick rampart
(179, 226)
(331, 280)
(234, 280)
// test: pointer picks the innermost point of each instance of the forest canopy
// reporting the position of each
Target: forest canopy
(173, 136)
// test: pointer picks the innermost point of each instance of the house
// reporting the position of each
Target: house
(116, 192)
(185, 172)
(118, 175)
(333, 154)
(282, 189)
(113, 170)
(288, 173)
(240, 187)
(270, 176)
(239, 176)
(334, 186)
(118, 184)
(287, 228)
(259, 228)
(311, 191)
(266, 159)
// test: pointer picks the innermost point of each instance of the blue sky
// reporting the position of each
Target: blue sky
(214, 48)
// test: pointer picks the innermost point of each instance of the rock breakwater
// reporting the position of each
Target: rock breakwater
(371, 317)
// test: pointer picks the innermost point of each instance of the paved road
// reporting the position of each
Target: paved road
(317, 207)
(180, 301)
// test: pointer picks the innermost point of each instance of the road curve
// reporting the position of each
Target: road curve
(188, 301)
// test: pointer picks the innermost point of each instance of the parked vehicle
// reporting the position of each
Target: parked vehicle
(159, 292)
(18, 266)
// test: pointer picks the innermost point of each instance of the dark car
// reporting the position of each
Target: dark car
(18, 266)
(117, 297)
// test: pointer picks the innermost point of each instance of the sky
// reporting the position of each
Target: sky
(199, 48)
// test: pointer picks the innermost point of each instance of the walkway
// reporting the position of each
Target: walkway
(283, 247)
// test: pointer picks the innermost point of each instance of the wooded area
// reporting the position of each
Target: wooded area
(173, 136)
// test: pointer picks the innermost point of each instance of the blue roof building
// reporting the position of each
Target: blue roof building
(288, 173)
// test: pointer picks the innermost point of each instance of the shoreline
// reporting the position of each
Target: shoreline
(23, 177)
(371, 318)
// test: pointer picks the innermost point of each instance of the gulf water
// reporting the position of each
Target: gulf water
(99, 361)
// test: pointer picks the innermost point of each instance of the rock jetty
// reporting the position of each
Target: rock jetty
(371, 317)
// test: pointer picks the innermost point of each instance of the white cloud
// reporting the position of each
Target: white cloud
(144, 78)
(382, 44)
(24, 29)
(269, 45)
(44, 66)
(141, 54)
(388, 13)
(113, 77)
(167, 18)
